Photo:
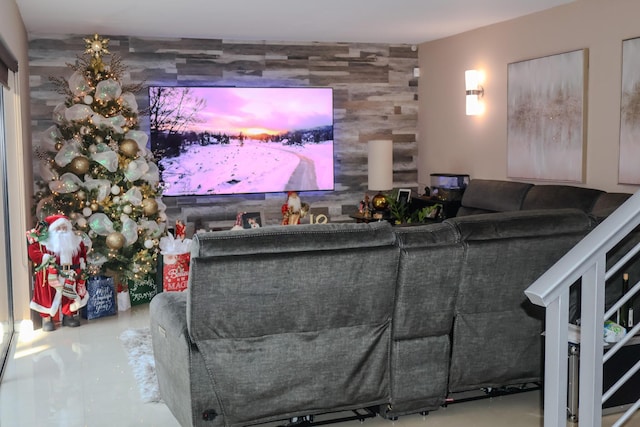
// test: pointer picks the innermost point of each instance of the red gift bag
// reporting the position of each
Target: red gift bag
(175, 272)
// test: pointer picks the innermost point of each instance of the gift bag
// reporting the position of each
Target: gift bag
(176, 256)
(122, 297)
(102, 298)
(124, 301)
(175, 272)
(141, 291)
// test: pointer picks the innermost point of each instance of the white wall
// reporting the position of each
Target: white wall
(450, 141)
(14, 35)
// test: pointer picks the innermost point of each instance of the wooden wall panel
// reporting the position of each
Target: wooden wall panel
(375, 97)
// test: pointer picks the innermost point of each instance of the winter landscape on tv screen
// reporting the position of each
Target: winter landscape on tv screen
(230, 140)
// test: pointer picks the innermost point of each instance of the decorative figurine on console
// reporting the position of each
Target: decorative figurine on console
(293, 210)
(59, 256)
(181, 229)
(364, 208)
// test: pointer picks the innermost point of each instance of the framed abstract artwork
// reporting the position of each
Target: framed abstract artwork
(546, 117)
(628, 170)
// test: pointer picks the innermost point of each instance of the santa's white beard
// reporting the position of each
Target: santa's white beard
(294, 204)
(64, 244)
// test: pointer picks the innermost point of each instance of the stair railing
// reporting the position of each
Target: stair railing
(586, 261)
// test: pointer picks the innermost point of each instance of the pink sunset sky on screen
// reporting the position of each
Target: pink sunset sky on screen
(263, 110)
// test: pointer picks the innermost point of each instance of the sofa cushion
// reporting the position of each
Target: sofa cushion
(532, 223)
(304, 237)
(607, 203)
(561, 196)
(485, 196)
(240, 282)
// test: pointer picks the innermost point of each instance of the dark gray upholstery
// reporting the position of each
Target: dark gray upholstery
(423, 318)
(282, 322)
(606, 203)
(486, 196)
(497, 331)
(301, 327)
(560, 197)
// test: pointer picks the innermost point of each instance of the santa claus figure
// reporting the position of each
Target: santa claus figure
(59, 255)
(294, 209)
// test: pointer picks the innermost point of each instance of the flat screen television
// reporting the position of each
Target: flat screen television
(240, 140)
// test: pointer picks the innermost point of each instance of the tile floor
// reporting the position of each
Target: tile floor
(80, 377)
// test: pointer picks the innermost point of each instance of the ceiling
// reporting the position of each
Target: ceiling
(374, 21)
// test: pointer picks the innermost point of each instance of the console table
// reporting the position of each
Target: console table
(449, 207)
(367, 219)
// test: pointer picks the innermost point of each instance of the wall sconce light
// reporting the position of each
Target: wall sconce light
(474, 92)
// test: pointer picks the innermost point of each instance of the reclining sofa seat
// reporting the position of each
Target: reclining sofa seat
(497, 331)
(278, 322)
(490, 196)
(426, 289)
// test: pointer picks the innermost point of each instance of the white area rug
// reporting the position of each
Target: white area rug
(137, 342)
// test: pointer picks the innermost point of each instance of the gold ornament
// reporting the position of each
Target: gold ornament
(58, 146)
(149, 206)
(129, 147)
(79, 165)
(94, 206)
(379, 202)
(115, 240)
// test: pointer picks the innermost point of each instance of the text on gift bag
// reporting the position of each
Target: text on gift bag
(175, 272)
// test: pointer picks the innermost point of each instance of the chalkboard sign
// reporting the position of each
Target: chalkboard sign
(102, 297)
(142, 291)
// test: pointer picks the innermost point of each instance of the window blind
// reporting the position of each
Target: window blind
(7, 62)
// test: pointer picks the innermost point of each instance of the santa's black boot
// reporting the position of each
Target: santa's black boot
(70, 321)
(47, 325)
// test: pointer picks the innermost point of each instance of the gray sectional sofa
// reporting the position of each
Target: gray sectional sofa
(284, 322)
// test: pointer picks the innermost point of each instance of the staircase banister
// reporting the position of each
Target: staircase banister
(573, 264)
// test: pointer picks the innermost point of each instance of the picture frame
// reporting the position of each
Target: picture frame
(404, 196)
(546, 117)
(252, 220)
(628, 171)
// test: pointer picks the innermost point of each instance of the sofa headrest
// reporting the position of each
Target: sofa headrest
(607, 203)
(304, 237)
(494, 196)
(431, 235)
(522, 224)
(561, 196)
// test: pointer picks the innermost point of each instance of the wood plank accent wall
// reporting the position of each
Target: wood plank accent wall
(375, 97)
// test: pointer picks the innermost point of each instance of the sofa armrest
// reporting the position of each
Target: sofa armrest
(185, 384)
(168, 310)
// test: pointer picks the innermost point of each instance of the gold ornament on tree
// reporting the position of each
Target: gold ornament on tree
(149, 206)
(115, 240)
(79, 165)
(129, 147)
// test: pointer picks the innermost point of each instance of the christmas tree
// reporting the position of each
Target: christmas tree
(96, 168)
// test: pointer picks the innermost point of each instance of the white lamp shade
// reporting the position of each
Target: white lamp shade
(474, 107)
(380, 165)
(471, 79)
